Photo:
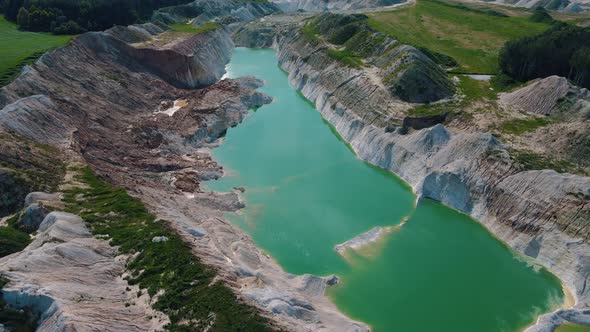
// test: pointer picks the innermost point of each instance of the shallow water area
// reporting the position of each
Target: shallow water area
(434, 269)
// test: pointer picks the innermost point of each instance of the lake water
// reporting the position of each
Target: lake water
(306, 192)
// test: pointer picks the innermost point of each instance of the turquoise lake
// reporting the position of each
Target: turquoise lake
(306, 192)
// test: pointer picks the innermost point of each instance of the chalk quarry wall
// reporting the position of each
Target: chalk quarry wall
(541, 214)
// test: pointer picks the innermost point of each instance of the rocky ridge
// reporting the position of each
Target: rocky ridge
(562, 110)
(322, 5)
(541, 214)
(229, 11)
(102, 101)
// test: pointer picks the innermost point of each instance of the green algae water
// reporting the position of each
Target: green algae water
(306, 192)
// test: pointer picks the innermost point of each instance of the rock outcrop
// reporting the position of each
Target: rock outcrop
(74, 281)
(201, 11)
(541, 214)
(562, 109)
(542, 97)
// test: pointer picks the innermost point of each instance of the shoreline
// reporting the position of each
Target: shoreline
(287, 60)
(567, 294)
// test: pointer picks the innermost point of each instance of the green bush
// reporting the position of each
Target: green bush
(439, 58)
(534, 161)
(68, 28)
(540, 15)
(521, 126)
(12, 240)
(562, 50)
(345, 57)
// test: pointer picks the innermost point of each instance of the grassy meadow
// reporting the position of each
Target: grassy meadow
(570, 327)
(471, 36)
(18, 48)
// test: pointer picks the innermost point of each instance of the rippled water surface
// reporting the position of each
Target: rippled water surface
(306, 192)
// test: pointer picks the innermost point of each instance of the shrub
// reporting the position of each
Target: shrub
(540, 15)
(12, 240)
(69, 28)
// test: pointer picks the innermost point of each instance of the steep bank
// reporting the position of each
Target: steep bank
(541, 214)
(103, 101)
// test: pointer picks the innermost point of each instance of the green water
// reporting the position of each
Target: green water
(306, 191)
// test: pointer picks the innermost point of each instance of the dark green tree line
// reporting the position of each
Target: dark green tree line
(76, 16)
(562, 50)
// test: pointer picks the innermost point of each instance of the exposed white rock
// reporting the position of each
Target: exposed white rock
(541, 97)
(158, 239)
(73, 281)
(36, 197)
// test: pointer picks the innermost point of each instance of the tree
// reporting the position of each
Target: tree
(55, 15)
(562, 50)
(69, 28)
(541, 15)
(40, 20)
(11, 8)
(580, 64)
(22, 19)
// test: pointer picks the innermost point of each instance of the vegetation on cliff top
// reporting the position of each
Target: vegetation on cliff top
(472, 37)
(18, 48)
(12, 240)
(188, 291)
(521, 126)
(346, 57)
(540, 15)
(563, 50)
(470, 88)
(530, 160)
(182, 27)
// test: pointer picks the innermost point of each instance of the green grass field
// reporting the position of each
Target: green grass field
(572, 328)
(472, 37)
(521, 126)
(18, 48)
